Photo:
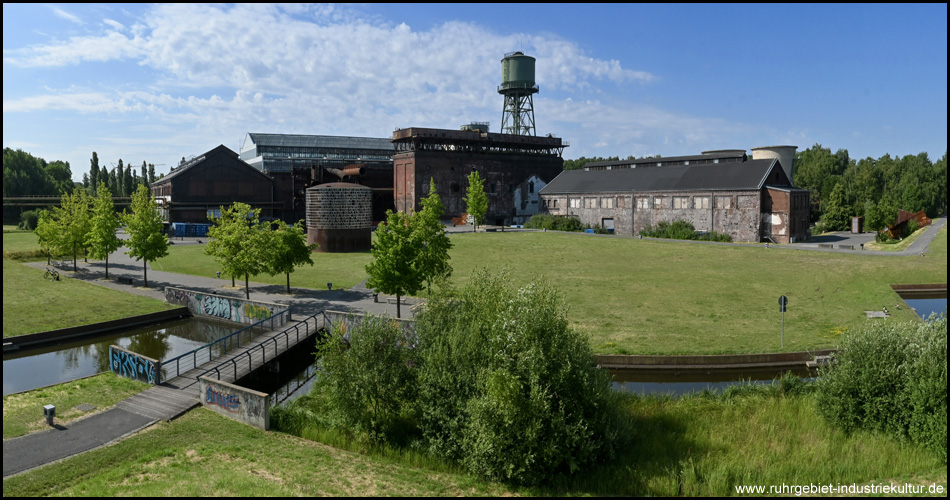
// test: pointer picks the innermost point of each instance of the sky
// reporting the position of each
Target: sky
(156, 83)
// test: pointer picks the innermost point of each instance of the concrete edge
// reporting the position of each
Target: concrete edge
(31, 340)
(713, 361)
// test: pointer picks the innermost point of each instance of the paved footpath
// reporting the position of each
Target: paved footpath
(40, 448)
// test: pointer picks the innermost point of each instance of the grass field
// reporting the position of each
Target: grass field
(22, 415)
(33, 304)
(667, 297)
(740, 439)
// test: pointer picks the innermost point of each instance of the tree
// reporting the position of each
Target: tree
(287, 249)
(836, 213)
(393, 269)
(147, 240)
(428, 230)
(239, 242)
(73, 221)
(61, 176)
(120, 180)
(24, 174)
(94, 173)
(151, 173)
(102, 239)
(476, 201)
(47, 233)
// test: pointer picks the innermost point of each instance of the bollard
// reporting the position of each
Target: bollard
(49, 411)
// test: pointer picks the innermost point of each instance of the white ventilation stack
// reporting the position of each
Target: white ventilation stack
(784, 154)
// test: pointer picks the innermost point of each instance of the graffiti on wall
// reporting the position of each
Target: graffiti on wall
(230, 402)
(130, 365)
(348, 323)
(254, 311)
(216, 306)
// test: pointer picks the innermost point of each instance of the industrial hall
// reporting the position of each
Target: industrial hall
(723, 191)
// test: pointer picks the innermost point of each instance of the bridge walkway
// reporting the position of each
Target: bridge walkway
(179, 394)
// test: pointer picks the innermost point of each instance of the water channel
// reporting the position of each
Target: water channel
(55, 364)
(292, 375)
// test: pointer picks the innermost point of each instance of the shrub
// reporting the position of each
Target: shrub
(890, 377)
(28, 220)
(554, 223)
(507, 389)
(366, 383)
(682, 230)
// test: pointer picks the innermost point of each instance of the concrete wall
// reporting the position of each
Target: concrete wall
(128, 364)
(102, 328)
(227, 308)
(236, 402)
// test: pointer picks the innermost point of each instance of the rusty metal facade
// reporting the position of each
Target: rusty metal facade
(339, 217)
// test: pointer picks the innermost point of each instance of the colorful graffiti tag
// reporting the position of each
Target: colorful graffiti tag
(131, 365)
(256, 312)
(212, 305)
(215, 306)
(229, 402)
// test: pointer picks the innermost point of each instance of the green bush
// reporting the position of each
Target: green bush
(366, 384)
(28, 220)
(507, 389)
(890, 377)
(682, 230)
(554, 223)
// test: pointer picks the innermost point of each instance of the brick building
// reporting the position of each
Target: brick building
(751, 200)
(514, 168)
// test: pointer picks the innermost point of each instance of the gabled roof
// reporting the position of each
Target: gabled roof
(747, 175)
(318, 141)
(195, 162)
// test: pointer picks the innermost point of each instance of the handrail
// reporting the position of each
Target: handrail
(226, 340)
(248, 351)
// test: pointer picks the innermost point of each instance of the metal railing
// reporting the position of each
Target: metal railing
(262, 346)
(205, 353)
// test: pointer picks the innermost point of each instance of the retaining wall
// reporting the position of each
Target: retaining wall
(236, 402)
(226, 308)
(52, 336)
(618, 361)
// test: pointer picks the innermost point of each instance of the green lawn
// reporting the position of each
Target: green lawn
(741, 439)
(667, 297)
(22, 415)
(202, 454)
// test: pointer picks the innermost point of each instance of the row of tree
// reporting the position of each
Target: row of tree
(244, 245)
(123, 180)
(27, 175)
(83, 223)
(875, 189)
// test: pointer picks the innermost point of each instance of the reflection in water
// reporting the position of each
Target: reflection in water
(29, 369)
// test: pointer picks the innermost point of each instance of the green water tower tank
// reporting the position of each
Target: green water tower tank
(517, 71)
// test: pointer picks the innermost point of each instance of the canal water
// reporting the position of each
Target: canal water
(55, 364)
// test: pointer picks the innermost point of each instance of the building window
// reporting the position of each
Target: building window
(530, 187)
(680, 202)
(493, 188)
(575, 203)
(214, 213)
(724, 202)
(659, 202)
(606, 203)
(590, 202)
(701, 202)
(643, 202)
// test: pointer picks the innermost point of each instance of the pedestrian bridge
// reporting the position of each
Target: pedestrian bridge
(181, 383)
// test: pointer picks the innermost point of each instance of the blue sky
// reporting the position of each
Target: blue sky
(158, 82)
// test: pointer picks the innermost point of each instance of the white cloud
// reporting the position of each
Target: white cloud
(60, 13)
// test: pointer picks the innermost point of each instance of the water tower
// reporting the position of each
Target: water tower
(518, 87)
